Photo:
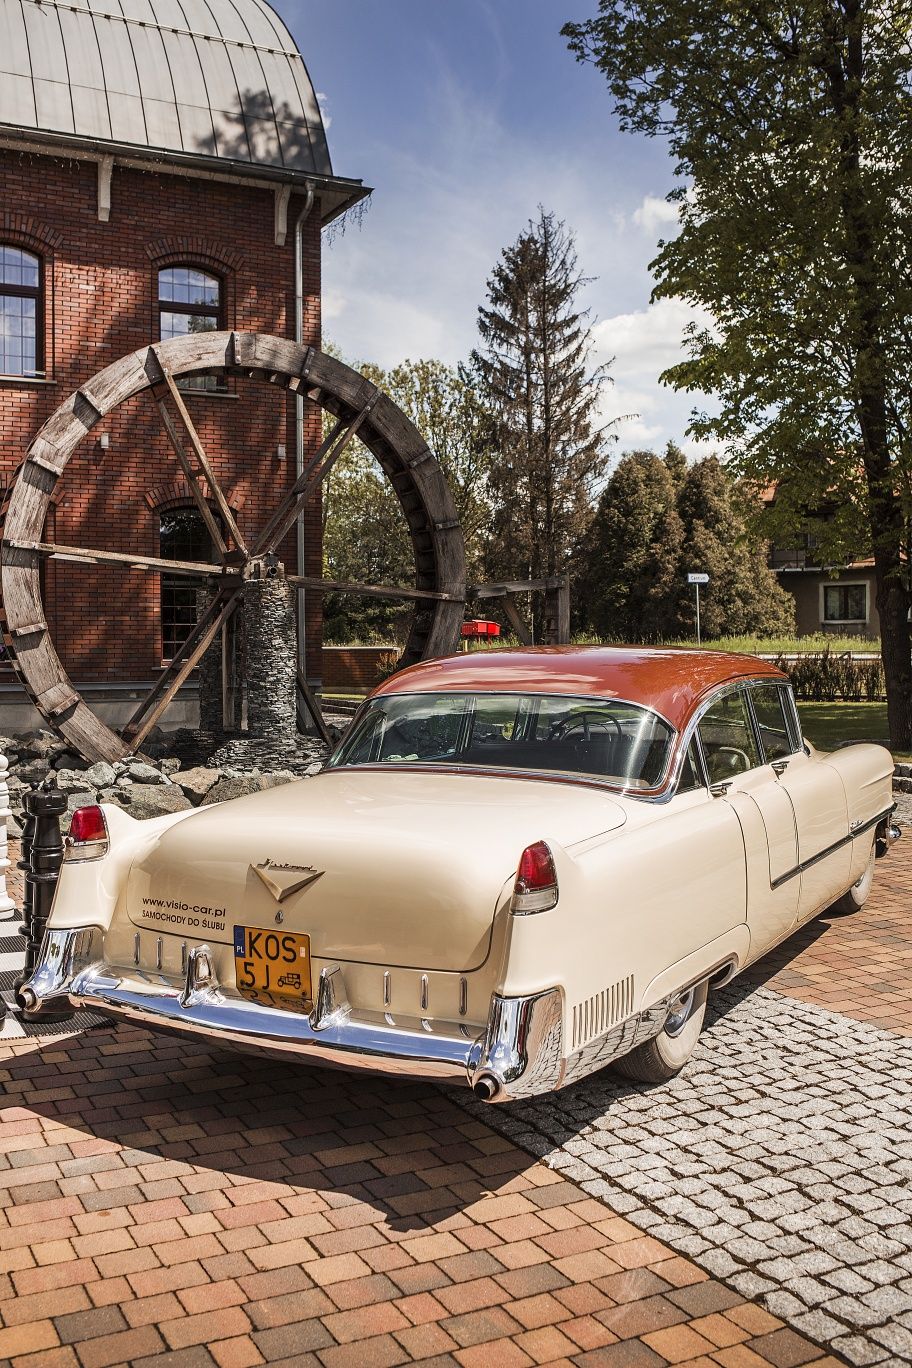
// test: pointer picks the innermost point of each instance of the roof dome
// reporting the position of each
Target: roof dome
(220, 79)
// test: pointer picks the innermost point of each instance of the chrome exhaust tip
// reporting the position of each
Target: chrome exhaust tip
(27, 998)
(486, 1088)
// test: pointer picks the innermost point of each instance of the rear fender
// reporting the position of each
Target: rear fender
(88, 891)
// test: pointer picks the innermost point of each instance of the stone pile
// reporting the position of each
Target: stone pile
(165, 782)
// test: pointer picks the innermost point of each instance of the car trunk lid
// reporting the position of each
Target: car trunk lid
(392, 867)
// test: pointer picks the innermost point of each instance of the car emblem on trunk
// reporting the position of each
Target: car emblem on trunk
(284, 879)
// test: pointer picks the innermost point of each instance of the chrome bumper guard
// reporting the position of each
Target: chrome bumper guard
(518, 1055)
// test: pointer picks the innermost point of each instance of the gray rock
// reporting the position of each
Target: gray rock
(68, 781)
(169, 764)
(141, 773)
(226, 789)
(100, 775)
(277, 778)
(196, 783)
(154, 800)
(13, 827)
(78, 798)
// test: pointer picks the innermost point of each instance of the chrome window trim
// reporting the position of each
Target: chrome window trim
(786, 717)
(718, 691)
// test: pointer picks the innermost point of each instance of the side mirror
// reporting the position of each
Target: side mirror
(719, 790)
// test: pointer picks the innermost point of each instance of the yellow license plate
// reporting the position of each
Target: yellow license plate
(273, 967)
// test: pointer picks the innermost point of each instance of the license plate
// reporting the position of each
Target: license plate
(273, 967)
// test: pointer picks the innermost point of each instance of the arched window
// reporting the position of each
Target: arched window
(189, 301)
(182, 536)
(21, 312)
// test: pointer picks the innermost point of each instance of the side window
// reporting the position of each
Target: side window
(21, 313)
(727, 737)
(190, 301)
(691, 776)
(773, 721)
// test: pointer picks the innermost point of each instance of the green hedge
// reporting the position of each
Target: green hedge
(831, 676)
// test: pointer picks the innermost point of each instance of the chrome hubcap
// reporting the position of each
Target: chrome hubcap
(679, 1013)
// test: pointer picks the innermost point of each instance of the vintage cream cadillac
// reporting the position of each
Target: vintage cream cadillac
(519, 866)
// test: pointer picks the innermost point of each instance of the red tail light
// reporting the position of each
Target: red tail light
(88, 838)
(536, 880)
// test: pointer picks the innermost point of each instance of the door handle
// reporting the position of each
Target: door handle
(779, 766)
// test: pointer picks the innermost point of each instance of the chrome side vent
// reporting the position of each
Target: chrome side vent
(597, 1014)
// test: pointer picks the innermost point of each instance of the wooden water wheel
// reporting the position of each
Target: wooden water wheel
(357, 407)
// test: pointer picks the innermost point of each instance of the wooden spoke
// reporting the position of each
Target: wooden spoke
(54, 551)
(312, 476)
(172, 677)
(214, 486)
(199, 498)
(372, 590)
(310, 702)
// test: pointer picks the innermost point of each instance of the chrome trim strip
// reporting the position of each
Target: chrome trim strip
(830, 849)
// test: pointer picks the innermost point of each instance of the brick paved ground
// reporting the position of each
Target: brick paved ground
(158, 1198)
(860, 965)
(162, 1204)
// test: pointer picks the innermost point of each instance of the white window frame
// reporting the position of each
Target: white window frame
(844, 584)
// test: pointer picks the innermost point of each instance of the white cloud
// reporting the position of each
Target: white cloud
(323, 102)
(654, 214)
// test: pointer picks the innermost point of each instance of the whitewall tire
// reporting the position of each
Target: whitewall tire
(856, 897)
(657, 1060)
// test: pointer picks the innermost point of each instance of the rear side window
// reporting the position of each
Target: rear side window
(727, 737)
(769, 701)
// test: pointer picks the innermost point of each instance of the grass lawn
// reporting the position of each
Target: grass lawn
(827, 725)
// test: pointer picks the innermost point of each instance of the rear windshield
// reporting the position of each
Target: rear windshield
(621, 743)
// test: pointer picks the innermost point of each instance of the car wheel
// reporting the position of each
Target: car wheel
(856, 897)
(657, 1060)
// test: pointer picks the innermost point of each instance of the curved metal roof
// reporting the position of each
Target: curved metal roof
(207, 79)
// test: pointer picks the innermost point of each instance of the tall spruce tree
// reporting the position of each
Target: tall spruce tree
(534, 365)
(789, 128)
(655, 521)
(627, 567)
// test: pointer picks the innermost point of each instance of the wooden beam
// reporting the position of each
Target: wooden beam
(497, 590)
(214, 486)
(199, 498)
(54, 551)
(307, 482)
(516, 622)
(174, 674)
(371, 590)
(313, 707)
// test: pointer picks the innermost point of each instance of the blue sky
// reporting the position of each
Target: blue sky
(465, 115)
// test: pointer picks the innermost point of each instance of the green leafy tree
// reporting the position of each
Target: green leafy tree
(534, 366)
(365, 535)
(791, 134)
(628, 563)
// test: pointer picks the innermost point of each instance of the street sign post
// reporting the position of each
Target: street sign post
(696, 578)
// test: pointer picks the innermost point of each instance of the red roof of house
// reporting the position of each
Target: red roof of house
(669, 680)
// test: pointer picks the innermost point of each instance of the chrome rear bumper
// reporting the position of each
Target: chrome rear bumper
(517, 1055)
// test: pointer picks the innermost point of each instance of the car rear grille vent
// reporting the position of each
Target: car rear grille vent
(598, 1014)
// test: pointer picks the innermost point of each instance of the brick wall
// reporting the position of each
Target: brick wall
(357, 669)
(101, 302)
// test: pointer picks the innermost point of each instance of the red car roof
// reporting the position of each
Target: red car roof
(669, 680)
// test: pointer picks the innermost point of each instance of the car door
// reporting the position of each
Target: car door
(818, 798)
(738, 775)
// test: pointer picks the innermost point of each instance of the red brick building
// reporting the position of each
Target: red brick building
(157, 169)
